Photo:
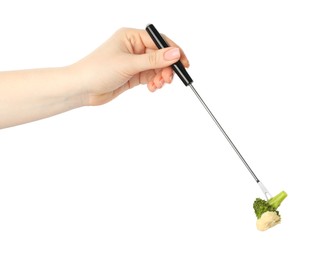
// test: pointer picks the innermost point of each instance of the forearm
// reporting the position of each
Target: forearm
(31, 95)
(129, 58)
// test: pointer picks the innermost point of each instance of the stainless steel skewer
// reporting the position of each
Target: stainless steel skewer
(263, 188)
(187, 81)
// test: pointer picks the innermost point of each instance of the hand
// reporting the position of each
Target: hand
(127, 59)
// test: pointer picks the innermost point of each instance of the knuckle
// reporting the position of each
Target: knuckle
(153, 58)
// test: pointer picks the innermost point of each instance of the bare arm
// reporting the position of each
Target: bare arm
(127, 59)
(30, 95)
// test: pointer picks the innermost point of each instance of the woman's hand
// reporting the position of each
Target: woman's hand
(127, 59)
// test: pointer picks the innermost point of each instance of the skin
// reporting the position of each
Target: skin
(127, 59)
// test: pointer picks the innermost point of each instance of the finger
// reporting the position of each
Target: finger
(183, 58)
(151, 86)
(158, 81)
(152, 60)
(147, 76)
(167, 74)
(148, 43)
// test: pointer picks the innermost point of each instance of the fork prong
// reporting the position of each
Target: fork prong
(264, 190)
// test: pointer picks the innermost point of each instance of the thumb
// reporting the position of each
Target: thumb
(156, 59)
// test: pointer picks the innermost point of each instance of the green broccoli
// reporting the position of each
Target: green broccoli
(272, 216)
(261, 206)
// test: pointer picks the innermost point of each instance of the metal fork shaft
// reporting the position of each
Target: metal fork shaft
(224, 133)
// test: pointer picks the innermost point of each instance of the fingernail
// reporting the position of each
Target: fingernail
(172, 54)
(151, 86)
(161, 83)
(171, 78)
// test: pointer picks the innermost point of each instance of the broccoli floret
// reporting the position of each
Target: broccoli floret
(276, 201)
(261, 206)
(266, 211)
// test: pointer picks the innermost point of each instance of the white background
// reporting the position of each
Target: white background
(149, 175)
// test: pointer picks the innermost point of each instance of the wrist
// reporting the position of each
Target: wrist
(75, 95)
(30, 95)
